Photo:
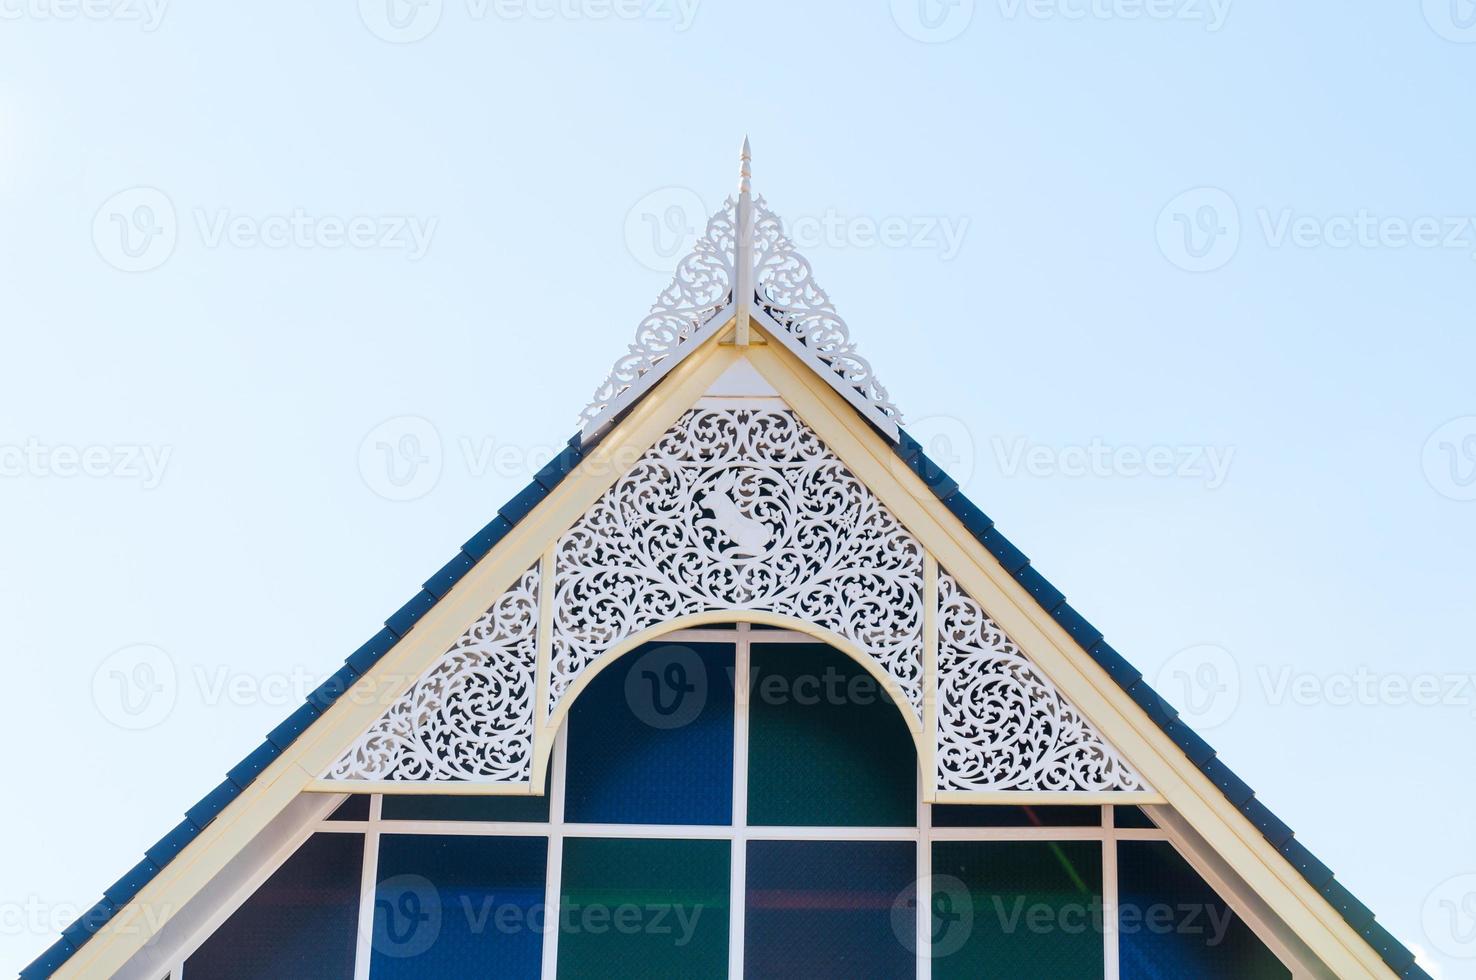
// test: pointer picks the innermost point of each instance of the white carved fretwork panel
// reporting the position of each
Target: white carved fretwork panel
(784, 287)
(738, 508)
(470, 716)
(1002, 725)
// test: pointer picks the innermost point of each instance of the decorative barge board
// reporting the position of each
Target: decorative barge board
(741, 464)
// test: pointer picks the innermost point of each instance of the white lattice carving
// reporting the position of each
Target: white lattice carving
(738, 509)
(469, 717)
(787, 290)
(1002, 725)
(784, 287)
(701, 286)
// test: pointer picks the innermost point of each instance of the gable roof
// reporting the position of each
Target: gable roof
(849, 382)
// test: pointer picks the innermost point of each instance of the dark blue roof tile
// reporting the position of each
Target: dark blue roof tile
(89, 922)
(487, 537)
(215, 801)
(246, 771)
(297, 723)
(1392, 950)
(1158, 709)
(1316, 873)
(1414, 972)
(1116, 665)
(451, 573)
(1188, 740)
(974, 520)
(409, 614)
(333, 688)
(1234, 788)
(906, 447)
(1084, 633)
(375, 647)
(519, 507)
(1010, 558)
(128, 886)
(172, 843)
(47, 963)
(1044, 593)
(1269, 824)
(1351, 909)
(559, 467)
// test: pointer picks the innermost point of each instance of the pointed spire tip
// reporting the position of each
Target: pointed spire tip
(745, 167)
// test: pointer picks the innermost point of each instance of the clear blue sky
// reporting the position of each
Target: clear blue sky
(333, 227)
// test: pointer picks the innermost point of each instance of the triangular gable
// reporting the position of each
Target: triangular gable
(977, 568)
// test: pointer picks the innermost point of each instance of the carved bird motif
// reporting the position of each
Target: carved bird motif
(750, 538)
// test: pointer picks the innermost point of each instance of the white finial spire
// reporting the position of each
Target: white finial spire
(743, 284)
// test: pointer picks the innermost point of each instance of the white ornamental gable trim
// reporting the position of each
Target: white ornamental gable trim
(701, 298)
(734, 509)
(739, 509)
(1002, 725)
(470, 716)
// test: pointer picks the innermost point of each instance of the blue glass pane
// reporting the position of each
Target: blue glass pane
(651, 739)
(301, 923)
(830, 909)
(459, 907)
(1131, 817)
(487, 809)
(1173, 924)
(356, 807)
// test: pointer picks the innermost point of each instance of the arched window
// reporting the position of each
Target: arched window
(734, 801)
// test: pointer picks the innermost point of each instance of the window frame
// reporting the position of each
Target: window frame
(738, 833)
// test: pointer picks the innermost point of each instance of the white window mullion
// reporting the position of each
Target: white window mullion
(738, 862)
(553, 885)
(1111, 952)
(924, 886)
(368, 881)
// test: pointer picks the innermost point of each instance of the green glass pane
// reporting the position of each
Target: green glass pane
(644, 909)
(1017, 909)
(1172, 924)
(827, 747)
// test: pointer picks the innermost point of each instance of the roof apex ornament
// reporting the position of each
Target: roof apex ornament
(745, 269)
(743, 294)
